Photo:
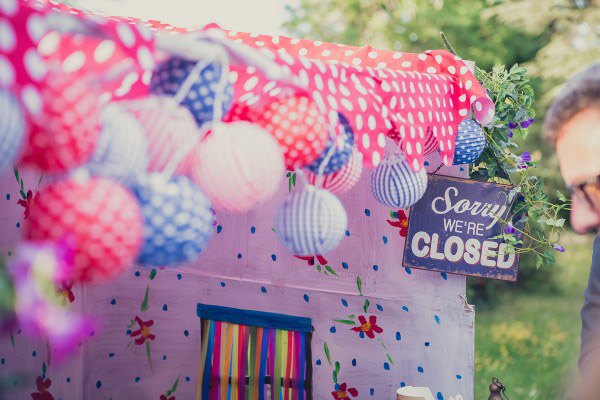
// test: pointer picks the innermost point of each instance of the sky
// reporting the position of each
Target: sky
(255, 16)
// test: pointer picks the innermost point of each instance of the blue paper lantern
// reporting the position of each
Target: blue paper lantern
(177, 219)
(199, 93)
(311, 221)
(13, 128)
(340, 156)
(121, 152)
(470, 142)
(395, 184)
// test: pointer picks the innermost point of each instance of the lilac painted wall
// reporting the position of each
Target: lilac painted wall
(427, 324)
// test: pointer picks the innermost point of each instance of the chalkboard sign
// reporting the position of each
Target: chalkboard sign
(451, 229)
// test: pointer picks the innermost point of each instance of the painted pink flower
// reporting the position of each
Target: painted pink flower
(310, 260)
(401, 224)
(42, 389)
(344, 392)
(369, 327)
(163, 397)
(29, 202)
(66, 292)
(144, 331)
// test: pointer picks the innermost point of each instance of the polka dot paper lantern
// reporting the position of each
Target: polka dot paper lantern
(98, 217)
(121, 152)
(13, 128)
(343, 146)
(66, 128)
(311, 221)
(299, 128)
(177, 219)
(343, 180)
(204, 85)
(470, 142)
(171, 132)
(430, 146)
(239, 166)
(395, 184)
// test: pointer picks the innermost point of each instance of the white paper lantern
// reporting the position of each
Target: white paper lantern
(311, 221)
(395, 184)
(239, 165)
(12, 128)
(470, 142)
(343, 180)
(121, 152)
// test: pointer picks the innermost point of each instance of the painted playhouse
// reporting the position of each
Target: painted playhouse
(240, 238)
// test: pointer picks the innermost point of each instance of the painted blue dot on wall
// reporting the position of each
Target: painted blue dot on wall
(263, 289)
(426, 163)
(7, 196)
(379, 307)
(128, 332)
(10, 253)
(420, 369)
(239, 256)
(15, 382)
(178, 277)
(344, 303)
(402, 384)
(372, 391)
(273, 257)
(347, 233)
(186, 333)
(461, 169)
(306, 299)
(444, 275)
(336, 387)
(165, 307)
(398, 336)
(111, 355)
(68, 379)
(137, 273)
(18, 224)
(405, 308)
(137, 379)
(375, 267)
(408, 270)
(361, 334)
(344, 265)
(386, 366)
(98, 384)
(34, 353)
(439, 396)
(354, 362)
(219, 229)
(318, 362)
(113, 302)
(252, 230)
(2, 361)
(164, 356)
(437, 319)
(384, 239)
(458, 377)
(427, 344)
(222, 284)
(367, 212)
(332, 329)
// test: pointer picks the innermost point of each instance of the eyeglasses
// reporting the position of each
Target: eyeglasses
(589, 191)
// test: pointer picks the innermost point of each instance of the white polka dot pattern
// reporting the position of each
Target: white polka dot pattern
(342, 180)
(395, 184)
(470, 142)
(311, 221)
(12, 128)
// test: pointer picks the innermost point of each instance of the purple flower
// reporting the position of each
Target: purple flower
(523, 159)
(509, 229)
(558, 247)
(513, 125)
(526, 124)
(510, 133)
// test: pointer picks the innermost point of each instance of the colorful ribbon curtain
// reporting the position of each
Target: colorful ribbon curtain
(248, 362)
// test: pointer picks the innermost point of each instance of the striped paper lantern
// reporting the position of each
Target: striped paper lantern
(121, 152)
(177, 219)
(342, 150)
(171, 132)
(239, 166)
(13, 128)
(343, 180)
(200, 90)
(470, 142)
(311, 221)
(395, 184)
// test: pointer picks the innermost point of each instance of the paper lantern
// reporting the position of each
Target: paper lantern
(311, 221)
(430, 146)
(299, 128)
(121, 152)
(470, 142)
(177, 219)
(99, 218)
(395, 184)
(196, 87)
(343, 145)
(343, 180)
(171, 132)
(66, 128)
(238, 165)
(13, 128)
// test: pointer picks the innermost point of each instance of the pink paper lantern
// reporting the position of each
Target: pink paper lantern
(171, 132)
(65, 128)
(299, 127)
(97, 217)
(343, 180)
(238, 166)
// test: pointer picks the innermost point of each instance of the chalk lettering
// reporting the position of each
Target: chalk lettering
(444, 204)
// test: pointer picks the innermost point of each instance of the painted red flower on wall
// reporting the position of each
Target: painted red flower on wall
(163, 397)
(66, 292)
(401, 223)
(144, 331)
(310, 260)
(344, 392)
(369, 327)
(29, 202)
(42, 389)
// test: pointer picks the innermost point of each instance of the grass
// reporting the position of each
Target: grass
(529, 339)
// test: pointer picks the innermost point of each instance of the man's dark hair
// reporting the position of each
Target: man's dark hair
(581, 92)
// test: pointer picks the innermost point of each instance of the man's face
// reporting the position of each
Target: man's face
(578, 149)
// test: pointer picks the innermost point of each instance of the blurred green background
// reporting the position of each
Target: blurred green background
(527, 334)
